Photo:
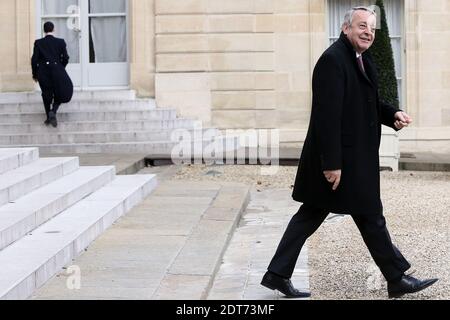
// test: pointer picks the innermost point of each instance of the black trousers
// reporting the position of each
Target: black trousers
(48, 93)
(373, 230)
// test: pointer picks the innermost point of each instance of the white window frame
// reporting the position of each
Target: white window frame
(401, 78)
(84, 67)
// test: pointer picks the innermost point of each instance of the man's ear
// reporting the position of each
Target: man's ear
(345, 28)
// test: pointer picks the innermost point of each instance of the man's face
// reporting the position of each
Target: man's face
(362, 31)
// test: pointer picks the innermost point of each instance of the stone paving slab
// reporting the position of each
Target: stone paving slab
(253, 244)
(124, 163)
(203, 249)
(51, 246)
(183, 287)
(102, 293)
(11, 159)
(193, 270)
(223, 214)
(30, 211)
(153, 252)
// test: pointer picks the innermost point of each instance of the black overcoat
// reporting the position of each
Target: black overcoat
(344, 133)
(48, 64)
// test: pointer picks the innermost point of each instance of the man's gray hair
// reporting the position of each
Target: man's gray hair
(348, 18)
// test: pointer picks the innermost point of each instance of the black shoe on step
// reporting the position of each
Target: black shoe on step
(408, 284)
(53, 120)
(275, 282)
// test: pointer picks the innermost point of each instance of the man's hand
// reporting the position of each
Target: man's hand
(402, 120)
(333, 177)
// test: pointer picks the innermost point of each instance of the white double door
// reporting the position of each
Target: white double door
(96, 33)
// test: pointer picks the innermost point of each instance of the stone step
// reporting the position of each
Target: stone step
(96, 126)
(132, 115)
(159, 148)
(30, 211)
(94, 137)
(31, 261)
(11, 159)
(167, 247)
(32, 97)
(191, 273)
(18, 182)
(107, 105)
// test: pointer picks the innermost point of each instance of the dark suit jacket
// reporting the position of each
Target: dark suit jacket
(48, 65)
(344, 133)
(48, 49)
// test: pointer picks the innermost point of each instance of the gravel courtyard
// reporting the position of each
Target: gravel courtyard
(416, 206)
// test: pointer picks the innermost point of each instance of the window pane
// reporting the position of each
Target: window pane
(107, 6)
(108, 39)
(394, 14)
(69, 35)
(50, 7)
(397, 51)
(338, 9)
(393, 10)
(400, 90)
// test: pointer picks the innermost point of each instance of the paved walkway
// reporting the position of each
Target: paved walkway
(174, 245)
(168, 247)
(252, 247)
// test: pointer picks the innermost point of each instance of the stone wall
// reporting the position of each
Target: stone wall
(17, 30)
(142, 34)
(240, 63)
(427, 27)
(248, 63)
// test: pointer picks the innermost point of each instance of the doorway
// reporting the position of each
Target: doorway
(96, 33)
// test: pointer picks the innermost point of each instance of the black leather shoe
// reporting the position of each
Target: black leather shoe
(53, 120)
(274, 282)
(47, 122)
(408, 284)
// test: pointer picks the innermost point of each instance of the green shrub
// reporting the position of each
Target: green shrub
(383, 56)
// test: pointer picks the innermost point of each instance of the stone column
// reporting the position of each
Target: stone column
(142, 33)
(240, 63)
(300, 39)
(427, 76)
(17, 29)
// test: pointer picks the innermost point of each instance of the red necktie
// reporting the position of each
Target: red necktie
(361, 64)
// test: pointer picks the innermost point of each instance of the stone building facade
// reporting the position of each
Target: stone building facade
(238, 63)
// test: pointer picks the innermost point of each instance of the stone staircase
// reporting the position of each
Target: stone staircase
(51, 209)
(95, 122)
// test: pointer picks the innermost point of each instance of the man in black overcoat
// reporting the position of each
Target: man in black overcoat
(48, 66)
(339, 166)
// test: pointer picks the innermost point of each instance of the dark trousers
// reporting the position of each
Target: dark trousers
(48, 94)
(373, 230)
